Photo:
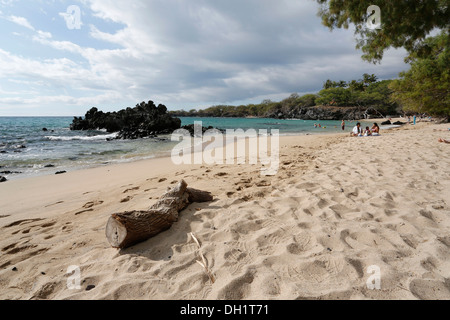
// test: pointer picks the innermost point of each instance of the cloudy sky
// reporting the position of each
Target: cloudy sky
(182, 53)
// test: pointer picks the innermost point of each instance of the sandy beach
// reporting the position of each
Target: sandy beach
(337, 207)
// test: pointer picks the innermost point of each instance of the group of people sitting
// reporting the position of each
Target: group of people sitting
(358, 131)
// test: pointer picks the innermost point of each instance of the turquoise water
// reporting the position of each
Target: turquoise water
(27, 150)
(286, 127)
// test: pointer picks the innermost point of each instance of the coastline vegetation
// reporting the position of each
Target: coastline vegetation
(366, 94)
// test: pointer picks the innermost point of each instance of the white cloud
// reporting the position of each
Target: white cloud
(21, 21)
(7, 2)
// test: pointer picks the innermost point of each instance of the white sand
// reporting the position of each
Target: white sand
(337, 206)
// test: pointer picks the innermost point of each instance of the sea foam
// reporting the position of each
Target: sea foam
(83, 138)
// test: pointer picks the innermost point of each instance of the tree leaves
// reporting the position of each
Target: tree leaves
(404, 23)
(425, 88)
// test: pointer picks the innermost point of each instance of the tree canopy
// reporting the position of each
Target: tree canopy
(425, 88)
(404, 23)
(363, 93)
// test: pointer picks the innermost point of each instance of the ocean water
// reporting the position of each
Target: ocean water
(27, 150)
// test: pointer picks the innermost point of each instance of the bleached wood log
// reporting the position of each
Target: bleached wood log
(128, 228)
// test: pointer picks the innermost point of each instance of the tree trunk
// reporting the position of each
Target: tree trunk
(128, 228)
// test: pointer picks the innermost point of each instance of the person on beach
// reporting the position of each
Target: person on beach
(343, 125)
(357, 131)
(375, 129)
(443, 140)
(367, 132)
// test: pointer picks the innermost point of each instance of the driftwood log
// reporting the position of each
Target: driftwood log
(128, 228)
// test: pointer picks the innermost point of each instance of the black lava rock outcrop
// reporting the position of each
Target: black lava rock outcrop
(145, 120)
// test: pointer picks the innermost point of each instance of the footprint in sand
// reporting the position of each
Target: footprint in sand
(260, 194)
(230, 194)
(250, 226)
(444, 240)
(430, 289)
(88, 207)
(308, 186)
(174, 270)
(410, 240)
(49, 224)
(15, 249)
(427, 214)
(275, 238)
(270, 286)
(83, 211)
(263, 183)
(131, 189)
(303, 243)
(199, 291)
(221, 174)
(22, 222)
(91, 204)
(244, 184)
(28, 229)
(54, 204)
(127, 199)
(11, 246)
(46, 290)
(237, 256)
(239, 288)
(340, 210)
(67, 227)
(21, 252)
(430, 264)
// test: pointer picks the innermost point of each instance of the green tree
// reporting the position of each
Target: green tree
(405, 23)
(342, 84)
(377, 96)
(308, 100)
(355, 85)
(425, 88)
(369, 79)
(334, 96)
(328, 84)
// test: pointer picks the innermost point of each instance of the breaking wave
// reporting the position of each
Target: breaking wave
(82, 138)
